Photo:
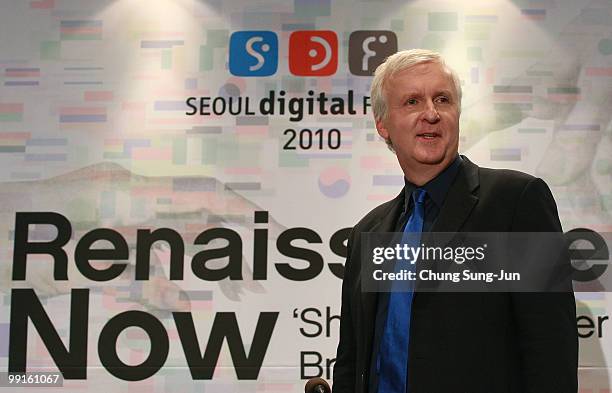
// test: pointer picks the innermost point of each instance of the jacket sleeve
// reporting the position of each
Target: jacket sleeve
(546, 322)
(344, 367)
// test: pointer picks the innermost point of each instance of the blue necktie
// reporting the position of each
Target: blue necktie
(392, 361)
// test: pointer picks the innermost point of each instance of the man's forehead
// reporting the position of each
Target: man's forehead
(421, 69)
(408, 79)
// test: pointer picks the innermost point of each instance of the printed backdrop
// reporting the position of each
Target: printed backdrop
(193, 115)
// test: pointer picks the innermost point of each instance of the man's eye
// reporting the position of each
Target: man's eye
(443, 99)
(411, 101)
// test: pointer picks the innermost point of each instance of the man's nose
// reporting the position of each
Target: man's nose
(430, 113)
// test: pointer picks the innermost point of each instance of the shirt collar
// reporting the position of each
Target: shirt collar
(436, 188)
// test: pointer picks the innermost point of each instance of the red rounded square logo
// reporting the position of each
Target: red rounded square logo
(313, 52)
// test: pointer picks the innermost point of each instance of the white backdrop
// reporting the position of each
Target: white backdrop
(95, 125)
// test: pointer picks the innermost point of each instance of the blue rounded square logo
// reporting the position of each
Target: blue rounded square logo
(253, 53)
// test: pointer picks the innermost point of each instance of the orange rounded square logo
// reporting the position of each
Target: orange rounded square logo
(313, 52)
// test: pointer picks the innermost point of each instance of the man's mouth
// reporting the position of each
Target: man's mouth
(428, 135)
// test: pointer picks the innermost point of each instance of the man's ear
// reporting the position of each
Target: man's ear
(382, 130)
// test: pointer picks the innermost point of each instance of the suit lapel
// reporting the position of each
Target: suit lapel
(460, 200)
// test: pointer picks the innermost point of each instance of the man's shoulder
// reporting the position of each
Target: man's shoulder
(523, 201)
(374, 216)
(504, 180)
(493, 179)
(505, 175)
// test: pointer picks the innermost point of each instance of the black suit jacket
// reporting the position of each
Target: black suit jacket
(469, 342)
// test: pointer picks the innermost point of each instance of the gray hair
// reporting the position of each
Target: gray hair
(398, 62)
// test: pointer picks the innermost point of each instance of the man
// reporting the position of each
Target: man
(455, 342)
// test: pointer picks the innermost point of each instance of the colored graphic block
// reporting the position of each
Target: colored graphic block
(81, 30)
(442, 21)
(42, 4)
(206, 58)
(12, 149)
(14, 142)
(179, 151)
(11, 112)
(605, 46)
(191, 83)
(313, 52)
(82, 115)
(397, 25)
(387, 180)
(312, 8)
(160, 44)
(289, 159)
(22, 72)
(505, 154)
(532, 130)
(166, 59)
(474, 53)
(209, 152)
(433, 41)
(98, 95)
(534, 14)
(253, 53)
(596, 15)
(217, 38)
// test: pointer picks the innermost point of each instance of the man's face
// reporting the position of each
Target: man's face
(422, 117)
